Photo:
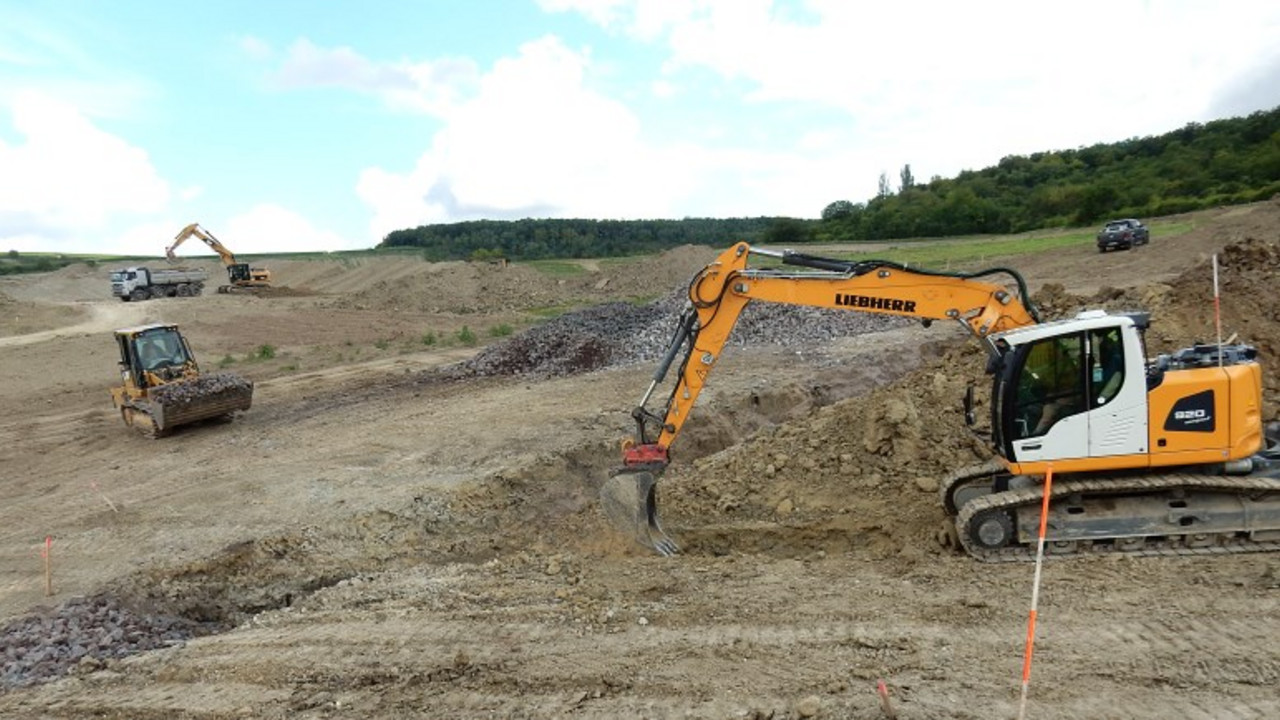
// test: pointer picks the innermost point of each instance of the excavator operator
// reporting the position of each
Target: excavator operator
(156, 352)
(1108, 365)
(150, 354)
(1052, 384)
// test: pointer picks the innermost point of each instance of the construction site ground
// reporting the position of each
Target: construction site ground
(380, 538)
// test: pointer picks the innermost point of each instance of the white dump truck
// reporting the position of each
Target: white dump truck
(141, 283)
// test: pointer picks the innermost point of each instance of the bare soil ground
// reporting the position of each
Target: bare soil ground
(376, 539)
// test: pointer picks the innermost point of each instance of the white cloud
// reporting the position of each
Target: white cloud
(427, 87)
(534, 142)
(255, 48)
(958, 85)
(269, 228)
(645, 19)
(264, 228)
(65, 178)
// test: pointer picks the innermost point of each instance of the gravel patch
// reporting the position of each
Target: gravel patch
(620, 333)
(81, 634)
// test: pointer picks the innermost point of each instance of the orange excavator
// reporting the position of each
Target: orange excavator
(1161, 456)
(241, 277)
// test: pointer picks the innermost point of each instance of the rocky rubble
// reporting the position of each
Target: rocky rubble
(205, 387)
(621, 333)
(82, 633)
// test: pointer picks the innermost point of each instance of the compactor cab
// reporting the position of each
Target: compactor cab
(158, 351)
(161, 384)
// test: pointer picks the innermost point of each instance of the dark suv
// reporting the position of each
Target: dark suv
(1123, 234)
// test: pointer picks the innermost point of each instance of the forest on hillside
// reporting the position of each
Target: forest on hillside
(1223, 162)
(531, 239)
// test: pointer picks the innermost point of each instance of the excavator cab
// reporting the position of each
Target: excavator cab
(1070, 390)
(242, 275)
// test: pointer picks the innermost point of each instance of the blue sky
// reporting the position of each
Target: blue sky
(285, 125)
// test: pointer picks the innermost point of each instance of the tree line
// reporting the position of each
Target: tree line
(537, 239)
(1223, 162)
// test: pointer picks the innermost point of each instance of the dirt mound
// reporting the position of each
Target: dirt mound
(406, 284)
(277, 291)
(858, 473)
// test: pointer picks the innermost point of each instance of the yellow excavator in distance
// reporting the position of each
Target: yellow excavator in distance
(162, 386)
(1167, 456)
(242, 277)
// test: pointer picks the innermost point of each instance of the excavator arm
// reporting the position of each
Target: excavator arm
(194, 230)
(719, 293)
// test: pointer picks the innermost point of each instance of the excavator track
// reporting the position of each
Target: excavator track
(1183, 513)
(956, 488)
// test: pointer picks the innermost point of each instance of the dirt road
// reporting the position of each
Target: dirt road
(372, 541)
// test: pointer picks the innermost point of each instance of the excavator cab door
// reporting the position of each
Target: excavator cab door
(1042, 402)
(1118, 423)
(130, 371)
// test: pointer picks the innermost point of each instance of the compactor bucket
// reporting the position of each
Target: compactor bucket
(629, 498)
(187, 401)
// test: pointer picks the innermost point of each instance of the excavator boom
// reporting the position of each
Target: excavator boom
(194, 230)
(720, 292)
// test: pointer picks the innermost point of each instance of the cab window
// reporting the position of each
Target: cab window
(1106, 374)
(1051, 385)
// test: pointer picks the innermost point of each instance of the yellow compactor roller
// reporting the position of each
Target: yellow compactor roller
(162, 386)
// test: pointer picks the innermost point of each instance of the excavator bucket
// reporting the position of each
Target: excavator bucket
(629, 498)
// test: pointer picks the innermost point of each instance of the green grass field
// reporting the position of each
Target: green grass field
(944, 253)
(938, 253)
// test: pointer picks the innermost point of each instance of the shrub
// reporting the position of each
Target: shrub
(466, 337)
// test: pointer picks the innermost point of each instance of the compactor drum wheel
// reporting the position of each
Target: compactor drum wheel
(630, 502)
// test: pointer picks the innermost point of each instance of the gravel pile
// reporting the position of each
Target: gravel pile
(621, 333)
(210, 386)
(83, 632)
